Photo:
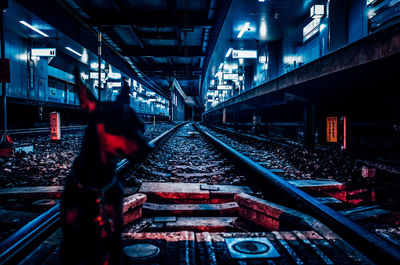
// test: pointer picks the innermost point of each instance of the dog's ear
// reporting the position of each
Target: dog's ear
(86, 99)
(123, 97)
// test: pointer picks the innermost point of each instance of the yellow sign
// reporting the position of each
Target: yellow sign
(331, 129)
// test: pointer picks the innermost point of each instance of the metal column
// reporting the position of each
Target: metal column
(99, 67)
(3, 139)
(309, 127)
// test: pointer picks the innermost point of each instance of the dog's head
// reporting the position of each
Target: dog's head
(117, 128)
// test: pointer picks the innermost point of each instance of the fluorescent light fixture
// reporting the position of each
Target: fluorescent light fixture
(33, 28)
(220, 66)
(73, 51)
(244, 28)
(317, 11)
(261, 0)
(228, 52)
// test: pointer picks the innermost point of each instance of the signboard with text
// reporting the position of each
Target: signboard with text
(43, 52)
(55, 126)
(244, 54)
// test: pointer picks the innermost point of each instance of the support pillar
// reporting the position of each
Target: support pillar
(5, 139)
(224, 116)
(235, 120)
(99, 67)
(309, 126)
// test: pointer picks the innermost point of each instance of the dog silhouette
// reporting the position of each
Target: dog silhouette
(91, 207)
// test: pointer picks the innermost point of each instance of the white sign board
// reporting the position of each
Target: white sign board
(114, 84)
(44, 52)
(114, 75)
(95, 75)
(247, 54)
(311, 29)
(221, 87)
(231, 76)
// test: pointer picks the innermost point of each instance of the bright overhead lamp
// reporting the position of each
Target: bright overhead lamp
(228, 53)
(73, 51)
(244, 28)
(33, 28)
(261, 0)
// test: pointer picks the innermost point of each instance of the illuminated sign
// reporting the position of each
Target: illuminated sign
(317, 11)
(247, 54)
(114, 84)
(95, 75)
(331, 129)
(114, 75)
(370, 2)
(44, 52)
(262, 59)
(311, 29)
(223, 87)
(231, 76)
(55, 126)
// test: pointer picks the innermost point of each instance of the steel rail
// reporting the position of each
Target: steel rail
(43, 130)
(19, 243)
(368, 243)
(63, 128)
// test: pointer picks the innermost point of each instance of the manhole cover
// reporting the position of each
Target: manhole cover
(251, 247)
(45, 202)
(141, 251)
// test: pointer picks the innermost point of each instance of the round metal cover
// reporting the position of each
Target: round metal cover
(141, 251)
(251, 247)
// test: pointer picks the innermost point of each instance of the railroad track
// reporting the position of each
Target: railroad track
(29, 235)
(46, 130)
(356, 203)
(204, 164)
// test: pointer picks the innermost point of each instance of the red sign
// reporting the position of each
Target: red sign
(4, 71)
(55, 126)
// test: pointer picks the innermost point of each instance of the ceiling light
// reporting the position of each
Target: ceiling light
(33, 28)
(73, 51)
(261, 0)
(228, 53)
(244, 28)
(317, 11)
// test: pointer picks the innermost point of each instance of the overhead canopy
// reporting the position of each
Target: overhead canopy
(161, 40)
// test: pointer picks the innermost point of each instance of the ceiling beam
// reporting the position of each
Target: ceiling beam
(162, 51)
(154, 35)
(151, 18)
(168, 66)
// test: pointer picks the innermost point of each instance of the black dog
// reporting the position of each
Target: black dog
(91, 208)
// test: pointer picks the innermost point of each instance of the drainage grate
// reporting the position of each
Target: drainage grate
(251, 248)
(140, 251)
